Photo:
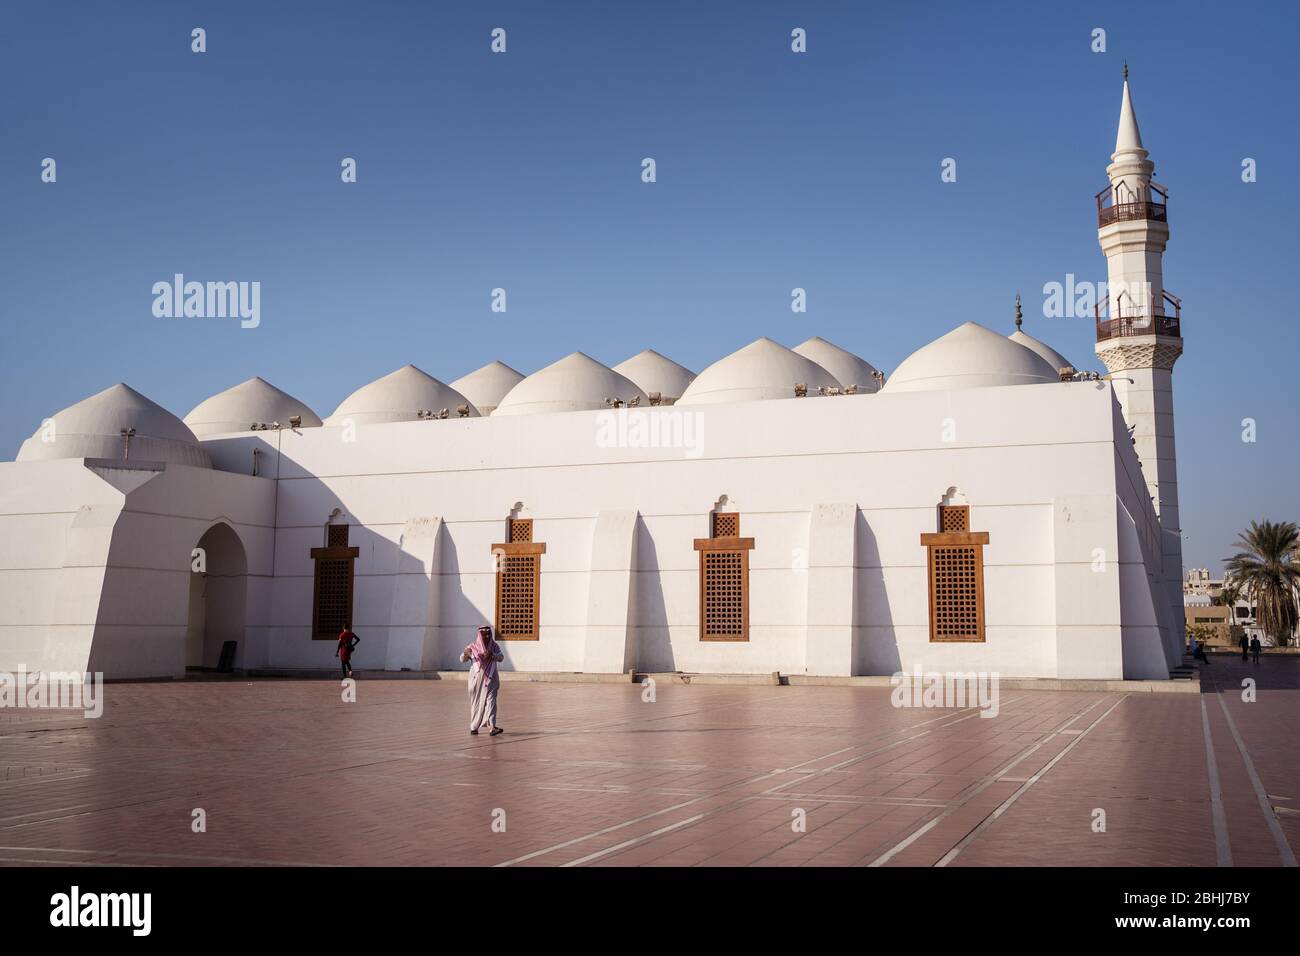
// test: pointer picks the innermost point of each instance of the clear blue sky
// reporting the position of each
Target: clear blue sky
(522, 170)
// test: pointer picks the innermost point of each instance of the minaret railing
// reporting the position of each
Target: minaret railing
(1146, 322)
(1146, 204)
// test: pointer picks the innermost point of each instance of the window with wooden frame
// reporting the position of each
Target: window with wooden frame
(519, 575)
(956, 577)
(332, 592)
(724, 579)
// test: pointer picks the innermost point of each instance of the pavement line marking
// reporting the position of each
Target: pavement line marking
(1265, 805)
(627, 843)
(1006, 804)
(111, 857)
(743, 783)
(772, 791)
(987, 781)
(1222, 845)
(903, 844)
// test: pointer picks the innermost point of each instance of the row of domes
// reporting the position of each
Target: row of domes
(969, 356)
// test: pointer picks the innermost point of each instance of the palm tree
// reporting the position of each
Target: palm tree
(1228, 597)
(1268, 568)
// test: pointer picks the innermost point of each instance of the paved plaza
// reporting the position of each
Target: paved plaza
(592, 775)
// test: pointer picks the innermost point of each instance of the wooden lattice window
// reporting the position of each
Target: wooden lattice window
(724, 580)
(954, 517)
(956, 577)
(726, 524)
(333, 588)
(519, 576)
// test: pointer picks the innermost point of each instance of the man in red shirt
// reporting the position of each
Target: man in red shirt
(347, 641)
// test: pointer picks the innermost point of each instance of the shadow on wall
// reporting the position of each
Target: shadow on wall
(652, 646)
(156, 621)
(876, 648)
(294, 643)
(456, 609)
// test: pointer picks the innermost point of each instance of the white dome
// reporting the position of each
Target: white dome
(574, 383)
(652, 372)
(238, 407)
(762, 369)
(92, 428)
(399, 397)
(847, 368)
(485, 387)
(1042, 349)
(970, 356)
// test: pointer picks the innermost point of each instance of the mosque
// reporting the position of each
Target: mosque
(986, 507)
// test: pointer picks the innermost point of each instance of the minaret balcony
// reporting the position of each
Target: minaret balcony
(1149, 322)
(1129, 205)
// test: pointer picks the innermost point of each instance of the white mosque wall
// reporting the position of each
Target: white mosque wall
(835, 493)
(98, 559)
(56, 524)
(827, 594)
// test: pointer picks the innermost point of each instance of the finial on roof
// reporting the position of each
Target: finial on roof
(1019, 317)
(1126, 71)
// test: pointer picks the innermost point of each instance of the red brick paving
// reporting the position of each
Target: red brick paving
(589, 774)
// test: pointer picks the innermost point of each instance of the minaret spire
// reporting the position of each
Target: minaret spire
(1019, 318)
(1129, 137)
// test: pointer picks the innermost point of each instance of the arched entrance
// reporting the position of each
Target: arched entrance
(217, 596)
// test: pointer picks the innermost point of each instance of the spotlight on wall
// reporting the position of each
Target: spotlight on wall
(880, 378)
(423, 413)
(1067, 373)
(295, 421)
(800, 390)
(656, 398)
(443, 413)
(850, 390)
(634, 402)
(462, 411)
(614, 402)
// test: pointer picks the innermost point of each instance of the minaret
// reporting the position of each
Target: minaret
(1139, 338)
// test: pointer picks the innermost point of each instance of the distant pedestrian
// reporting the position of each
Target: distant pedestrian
(484, 681)
(1245, 645)
(1254, 647)
(347, 642)
(1197, 651)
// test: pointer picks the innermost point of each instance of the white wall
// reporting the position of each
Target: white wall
(835, 492)
(1037, 463)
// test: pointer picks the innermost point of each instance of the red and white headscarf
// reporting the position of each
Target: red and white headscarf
(483, 650)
